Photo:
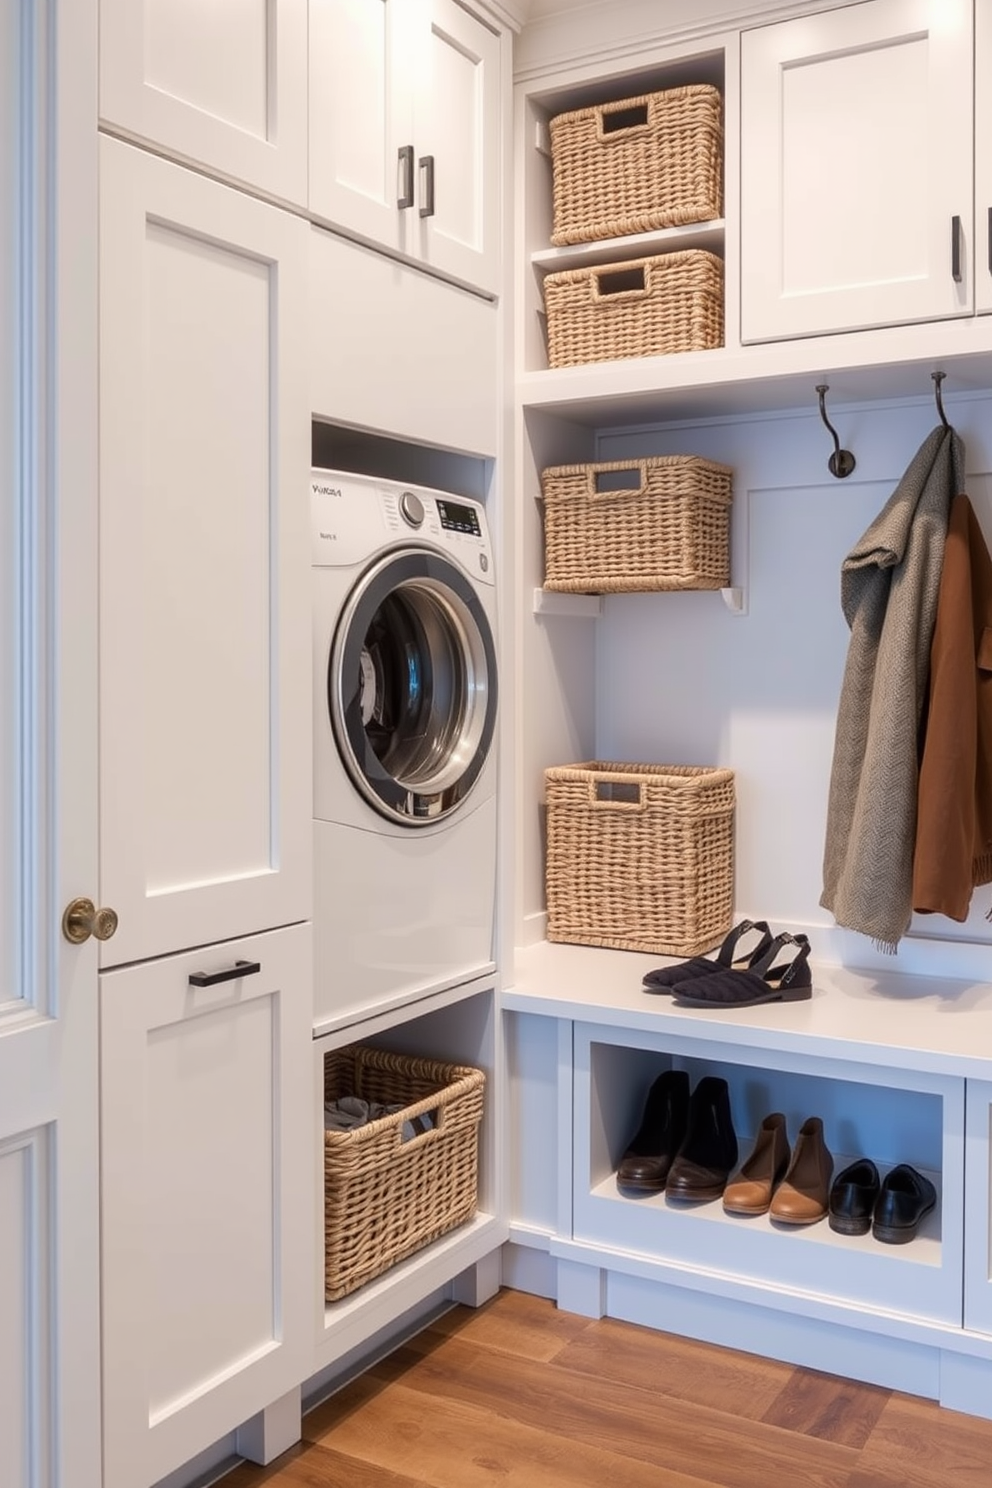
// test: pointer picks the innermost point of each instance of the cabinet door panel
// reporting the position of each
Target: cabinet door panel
(978, 1208)
(207, 1195)
(362, 67)
(856, 155)
(458, 124)
(983, 159)
(204, 626)
(221, 85)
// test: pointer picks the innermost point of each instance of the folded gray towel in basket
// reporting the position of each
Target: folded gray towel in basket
(351, 1111)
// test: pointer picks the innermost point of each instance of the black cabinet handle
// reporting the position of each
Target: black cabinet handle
(404, 176)
(211, 978)
(956, 249)
(427, 171)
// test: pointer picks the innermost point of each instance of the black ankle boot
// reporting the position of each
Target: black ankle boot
(709, 1152)
(644, 1166)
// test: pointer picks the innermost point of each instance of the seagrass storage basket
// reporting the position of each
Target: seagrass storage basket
(645, 307)
(640, 857)
(639, 164)
(626, 526)
(386, 1197)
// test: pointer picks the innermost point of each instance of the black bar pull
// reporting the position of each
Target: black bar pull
(427, 170)
(956, 249)
(211, 978)
(404, 176)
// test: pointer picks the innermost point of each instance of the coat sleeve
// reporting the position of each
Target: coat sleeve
(945, 823)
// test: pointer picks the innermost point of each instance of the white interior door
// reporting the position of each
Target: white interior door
(362, 68)
(224, 85)
(49, 1169)
(205, 704)
(458, 145)
(856, 169)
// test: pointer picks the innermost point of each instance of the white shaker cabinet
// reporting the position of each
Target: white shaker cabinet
(207, 1196)
(204, 624)
(856, 169)
(222, 86)
(405, 131)
(983, 157)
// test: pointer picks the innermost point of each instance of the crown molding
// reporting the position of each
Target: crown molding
(610, 30)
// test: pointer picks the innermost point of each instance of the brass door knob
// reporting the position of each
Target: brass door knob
(82, 919)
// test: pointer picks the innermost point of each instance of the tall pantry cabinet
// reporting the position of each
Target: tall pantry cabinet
(206, 1178)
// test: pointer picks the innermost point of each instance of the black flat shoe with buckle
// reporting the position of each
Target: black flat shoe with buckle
(773, 977)
(726, 958)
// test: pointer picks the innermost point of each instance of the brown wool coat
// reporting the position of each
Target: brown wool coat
(953, 853)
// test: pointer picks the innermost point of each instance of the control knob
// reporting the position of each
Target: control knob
(412, 508)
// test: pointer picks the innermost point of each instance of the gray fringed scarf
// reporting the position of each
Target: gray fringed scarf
(889, 585)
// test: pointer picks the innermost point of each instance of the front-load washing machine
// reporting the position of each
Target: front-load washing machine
(405, 689)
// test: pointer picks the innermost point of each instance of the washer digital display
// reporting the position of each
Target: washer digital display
(458, 518)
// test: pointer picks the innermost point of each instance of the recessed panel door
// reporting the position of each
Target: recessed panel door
(49, 1159)
(223, 85)
(856, 169)
(458, 146)
(204, 623)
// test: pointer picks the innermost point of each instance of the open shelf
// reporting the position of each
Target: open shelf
(709, 235)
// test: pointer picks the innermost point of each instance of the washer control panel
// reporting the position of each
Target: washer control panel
(355, 517)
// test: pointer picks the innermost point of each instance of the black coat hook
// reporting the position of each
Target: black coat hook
(841, 462)
(938, 378)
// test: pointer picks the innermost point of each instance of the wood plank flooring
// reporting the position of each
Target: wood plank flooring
(519, 1395)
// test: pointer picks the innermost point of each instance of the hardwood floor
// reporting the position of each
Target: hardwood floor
(520, 1395)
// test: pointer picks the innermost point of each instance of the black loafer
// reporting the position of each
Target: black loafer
(904, 1198)
(853, 1198)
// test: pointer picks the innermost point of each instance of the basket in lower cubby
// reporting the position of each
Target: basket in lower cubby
(390, 1189)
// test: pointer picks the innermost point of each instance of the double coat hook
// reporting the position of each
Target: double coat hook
(841, 462)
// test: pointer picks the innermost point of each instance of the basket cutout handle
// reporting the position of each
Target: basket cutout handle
(608, 794)
(625, 281)
(614, 121)
(605, 484)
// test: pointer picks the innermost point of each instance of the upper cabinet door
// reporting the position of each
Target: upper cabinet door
(856, 169)
(223, 86)
(362, 153)
(458, 146)
(983, 159)
(205, 768)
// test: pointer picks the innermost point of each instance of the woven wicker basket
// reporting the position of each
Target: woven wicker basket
(643, 163)
(640, 857)
(384, 1197)
(647, 307)
(669, 528)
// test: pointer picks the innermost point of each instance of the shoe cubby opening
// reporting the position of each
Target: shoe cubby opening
(863, 1116)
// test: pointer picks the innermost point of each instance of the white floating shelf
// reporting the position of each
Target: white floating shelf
(590, 606)
(708, 235)
(579, 606)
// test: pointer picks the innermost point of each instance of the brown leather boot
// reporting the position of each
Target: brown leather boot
(751, 1191)
(803, 1196)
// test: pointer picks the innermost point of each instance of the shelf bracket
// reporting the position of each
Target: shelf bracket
(735, 599)
(579, 606)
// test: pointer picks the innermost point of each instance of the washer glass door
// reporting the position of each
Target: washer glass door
(412, 687)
